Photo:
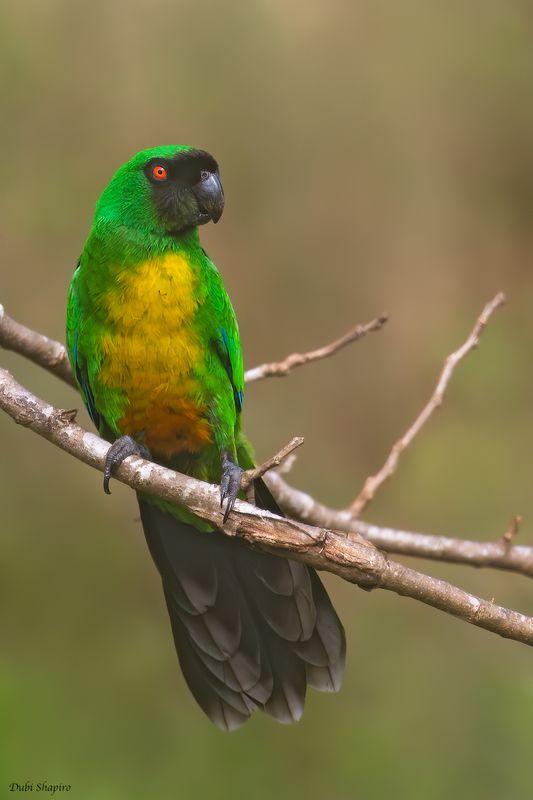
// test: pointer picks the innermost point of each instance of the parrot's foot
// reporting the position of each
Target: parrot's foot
(230, 484)
(119, 450)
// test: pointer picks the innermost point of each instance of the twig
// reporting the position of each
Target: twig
(251, 475)
(52, 355)
(49, 354)
(498, 554)
(373, 482)
(351, 558)
(38, 348)
(513, 529)
(282, 368)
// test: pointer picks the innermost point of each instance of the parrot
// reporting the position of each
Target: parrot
(154, 345)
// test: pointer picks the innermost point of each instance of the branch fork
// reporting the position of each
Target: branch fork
(316, 534)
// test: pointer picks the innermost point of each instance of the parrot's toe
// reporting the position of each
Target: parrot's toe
(120, 449)
(230, 485)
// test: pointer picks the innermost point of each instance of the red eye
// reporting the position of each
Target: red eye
(159, 173)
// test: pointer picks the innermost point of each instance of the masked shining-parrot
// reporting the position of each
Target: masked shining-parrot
(154, 345)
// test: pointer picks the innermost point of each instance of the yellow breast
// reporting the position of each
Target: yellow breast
(149, 353)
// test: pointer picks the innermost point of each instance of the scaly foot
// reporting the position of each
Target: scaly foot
(230, 484)
(120, 449)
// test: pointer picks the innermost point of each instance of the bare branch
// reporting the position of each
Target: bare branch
(443, 595)
(52, 355)
(499, 554)
(373, 482)
(251, 475)
(282, 368)
(37, 348)
(352, 558)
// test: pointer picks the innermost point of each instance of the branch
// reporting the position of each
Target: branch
(38, 348)
(373, 482)
(53, 357)
(281, 368)
(499, 554)
(251, 475)
(351, 558)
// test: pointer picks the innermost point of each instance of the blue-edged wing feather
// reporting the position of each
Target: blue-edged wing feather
(83, 382)
(229, 351)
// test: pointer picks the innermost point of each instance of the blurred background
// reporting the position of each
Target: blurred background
(376, 156)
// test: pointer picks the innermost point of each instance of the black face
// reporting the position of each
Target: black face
(186, 190)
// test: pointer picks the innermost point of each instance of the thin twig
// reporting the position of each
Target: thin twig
(373, 482)
(52, 355)
(513, 529)
(282, 368)
(38, 348)
(251, 475)
(350, 557)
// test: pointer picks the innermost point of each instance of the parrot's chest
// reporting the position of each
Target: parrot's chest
(151, 353)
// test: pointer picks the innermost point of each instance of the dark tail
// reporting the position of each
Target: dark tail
(251, 629)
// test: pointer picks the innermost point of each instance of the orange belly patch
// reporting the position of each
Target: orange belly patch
(169, 426)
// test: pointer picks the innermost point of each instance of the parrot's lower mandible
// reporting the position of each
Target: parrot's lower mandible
(154, 345)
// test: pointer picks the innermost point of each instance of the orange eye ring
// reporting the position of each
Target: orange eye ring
(159, 173)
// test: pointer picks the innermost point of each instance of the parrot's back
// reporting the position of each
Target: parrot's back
(154, 344)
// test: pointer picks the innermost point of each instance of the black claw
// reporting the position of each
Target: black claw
(229, 509)
(119, 450)
(230, 485)
(224, 487)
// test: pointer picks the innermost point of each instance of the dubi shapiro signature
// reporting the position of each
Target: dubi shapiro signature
(42, 786)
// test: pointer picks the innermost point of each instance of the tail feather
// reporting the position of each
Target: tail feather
(251, 629)
(324, 652)
(228, 710)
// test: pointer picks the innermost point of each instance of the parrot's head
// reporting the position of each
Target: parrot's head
(165, 191)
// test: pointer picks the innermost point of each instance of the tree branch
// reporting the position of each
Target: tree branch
(373, 482)
(281, 368)
(251, 475)
(37, 348)
(498, 554)
(52, 355)
(351, 558)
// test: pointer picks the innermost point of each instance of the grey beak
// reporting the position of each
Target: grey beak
(210, 196)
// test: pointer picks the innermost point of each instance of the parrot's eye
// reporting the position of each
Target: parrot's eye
(204, 175)
(159, 173)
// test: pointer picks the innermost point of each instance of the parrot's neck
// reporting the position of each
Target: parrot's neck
(111, 242)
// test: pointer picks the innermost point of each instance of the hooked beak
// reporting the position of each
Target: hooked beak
(210, 197)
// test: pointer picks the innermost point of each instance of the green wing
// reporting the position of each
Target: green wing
(230, 354)
(76, 356)
(221, 322)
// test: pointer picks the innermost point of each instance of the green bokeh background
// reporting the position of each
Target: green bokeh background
(376, 156)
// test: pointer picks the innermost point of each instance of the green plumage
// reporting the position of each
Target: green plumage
(154, 344)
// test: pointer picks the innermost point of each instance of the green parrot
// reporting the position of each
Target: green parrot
(154, 344)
